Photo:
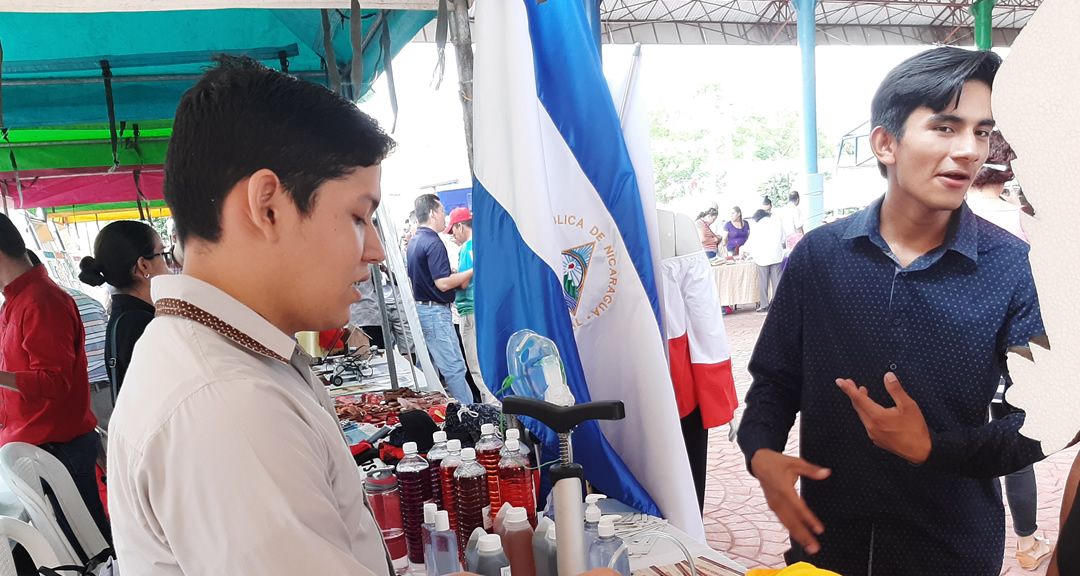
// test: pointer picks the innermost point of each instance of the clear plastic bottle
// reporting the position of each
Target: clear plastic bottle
(473, 504)
(445, 558)
(447, 467)
(435, 456)
(592, 518)
(428, 528)
(603, 549)
(488, 454)
(540, 551)
(517, 542)
(414, 478)
(382, 489)
(511, 434)
(515, 481)
(490, 559)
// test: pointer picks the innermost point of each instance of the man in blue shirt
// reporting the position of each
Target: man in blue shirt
(434, 285)
(915, 289)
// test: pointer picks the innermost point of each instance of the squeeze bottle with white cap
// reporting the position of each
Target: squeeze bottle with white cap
(517, 542)
(444, 548)
(490, 559)
(539, 543)
(427, 528)
(603, 549)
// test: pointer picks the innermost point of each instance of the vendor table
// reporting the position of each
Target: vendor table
(737, 283)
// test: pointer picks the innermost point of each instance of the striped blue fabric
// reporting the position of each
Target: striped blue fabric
(95, 322)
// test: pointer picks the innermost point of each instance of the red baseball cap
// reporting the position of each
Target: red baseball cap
(458, 215)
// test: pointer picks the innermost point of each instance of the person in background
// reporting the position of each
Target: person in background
(434, 287)
(736, 231)
(127, 255)
(461, 228)
(410, 229)
(44, 385)
(709, 241)
(766, 248)
(1066, 560)
(985, 200)
(985, 197)
(792, 221)
(766, 204)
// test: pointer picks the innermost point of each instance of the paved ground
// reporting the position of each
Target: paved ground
(740, 524)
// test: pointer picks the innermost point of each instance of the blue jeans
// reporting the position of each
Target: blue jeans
(710, 254)
(438, 325)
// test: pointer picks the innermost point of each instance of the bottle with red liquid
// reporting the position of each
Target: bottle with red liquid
(473, 504)
(489, 454)
(447, 467)
(515, 481)
(435, 457)
(382, 490)
(414, 480)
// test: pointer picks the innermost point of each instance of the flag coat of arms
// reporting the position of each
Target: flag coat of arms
(565, 246)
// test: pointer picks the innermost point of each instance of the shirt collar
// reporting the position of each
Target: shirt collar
(961, 236)
(31, 276)
(258, 331)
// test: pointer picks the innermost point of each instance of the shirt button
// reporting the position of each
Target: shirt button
(897, 322)
(892, 366)
(903, 273)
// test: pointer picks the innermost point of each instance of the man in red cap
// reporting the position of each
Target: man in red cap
(461, 227)
(434, 286)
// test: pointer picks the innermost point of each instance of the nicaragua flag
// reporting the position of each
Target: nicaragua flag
(562, 247)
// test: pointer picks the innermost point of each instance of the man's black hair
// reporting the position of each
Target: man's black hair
(766, 201)
(933, 79)
(242, 117)
(793, 196)
(466, 223)
(11, 242)
(424, 204)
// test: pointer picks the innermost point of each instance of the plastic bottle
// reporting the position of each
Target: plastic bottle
(415, 485)
(511, 434)
(489, 453)
(540, 551)
(515, 481)
(469, 556)
(382, 490)
(447, 467)
(592, 518)
(517, 542)
(428, 528)
(445, 558)
(473, 504)
(435, 456)
(490, 559)
(551, 553)
(497, 524)
(603, 549)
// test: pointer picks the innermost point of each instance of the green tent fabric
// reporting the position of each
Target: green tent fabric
(53, 63)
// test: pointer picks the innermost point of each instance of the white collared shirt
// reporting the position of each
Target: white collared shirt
(226, 459)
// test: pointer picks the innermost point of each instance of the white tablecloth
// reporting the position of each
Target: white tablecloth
(736, 283)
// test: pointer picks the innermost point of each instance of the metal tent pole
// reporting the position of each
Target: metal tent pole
(388, 335)
(815, 182)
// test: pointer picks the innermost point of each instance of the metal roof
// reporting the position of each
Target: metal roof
(845, 22)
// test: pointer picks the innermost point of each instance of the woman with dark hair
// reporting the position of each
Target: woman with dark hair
(127, 254)
(985, 196)
(736, 232)
(709, 242)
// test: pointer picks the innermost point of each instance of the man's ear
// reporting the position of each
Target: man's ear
(884, 146)
(266, 202)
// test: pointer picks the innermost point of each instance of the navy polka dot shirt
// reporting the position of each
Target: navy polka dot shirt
(845, 308)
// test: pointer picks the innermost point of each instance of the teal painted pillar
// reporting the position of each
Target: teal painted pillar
(592, 14)
(815, 182)
(983, 10)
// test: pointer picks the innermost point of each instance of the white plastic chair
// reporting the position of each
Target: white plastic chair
(23, 467)
(19, 532)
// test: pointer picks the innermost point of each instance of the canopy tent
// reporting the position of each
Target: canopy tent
(88, 99)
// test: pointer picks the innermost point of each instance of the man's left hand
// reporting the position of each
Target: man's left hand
(901, 430)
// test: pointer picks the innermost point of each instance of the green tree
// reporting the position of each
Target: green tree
(775, 137)
(778, 186)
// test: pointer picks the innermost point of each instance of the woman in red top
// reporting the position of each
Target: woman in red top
(709, 240)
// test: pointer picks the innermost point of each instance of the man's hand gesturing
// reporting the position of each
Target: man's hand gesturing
(777, 474)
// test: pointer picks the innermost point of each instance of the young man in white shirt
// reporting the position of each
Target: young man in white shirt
(225, 454)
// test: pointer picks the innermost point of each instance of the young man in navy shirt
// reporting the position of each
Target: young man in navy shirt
(915, 289)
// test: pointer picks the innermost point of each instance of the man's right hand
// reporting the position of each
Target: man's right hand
(777, 474)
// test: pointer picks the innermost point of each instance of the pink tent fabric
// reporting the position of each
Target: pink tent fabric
(72, 187)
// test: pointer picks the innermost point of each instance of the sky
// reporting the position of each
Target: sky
(756, 79)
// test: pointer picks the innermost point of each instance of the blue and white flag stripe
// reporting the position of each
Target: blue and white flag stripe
(558, 220)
